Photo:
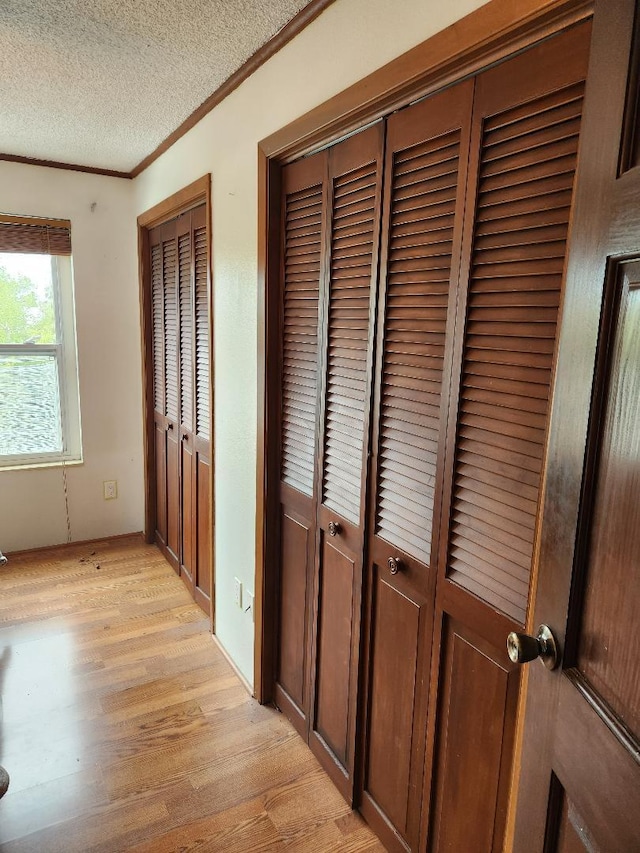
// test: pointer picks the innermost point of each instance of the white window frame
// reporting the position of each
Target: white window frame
(65, 354)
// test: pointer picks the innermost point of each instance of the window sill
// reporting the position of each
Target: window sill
(31, 466)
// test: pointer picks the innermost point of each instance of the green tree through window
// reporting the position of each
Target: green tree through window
(25, 314)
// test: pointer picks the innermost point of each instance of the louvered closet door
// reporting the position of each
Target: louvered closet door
(425, 170)
(303, 190)
(181, 379)
(186, 382)
(201, 547)
(524, 144)
(354, 206)
(164, 298)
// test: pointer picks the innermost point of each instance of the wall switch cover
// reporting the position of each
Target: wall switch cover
(237, 592)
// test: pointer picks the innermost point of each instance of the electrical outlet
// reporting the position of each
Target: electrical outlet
(237, 592)
(110, 490)
(248, 604)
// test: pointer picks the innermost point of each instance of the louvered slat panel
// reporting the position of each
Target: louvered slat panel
(354, 197)
(303, 222)
(202, 332)
(424, 180)
(157, 332)
(170, 329)
(526, 174)
(186, 330)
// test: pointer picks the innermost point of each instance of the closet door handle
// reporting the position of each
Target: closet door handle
(395, 564)
(334, 528)
(185, 436)
(169, 426)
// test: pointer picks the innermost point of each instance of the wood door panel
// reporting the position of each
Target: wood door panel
(581, 721)
(475, 729)
(348, 314)
(173, 493)
(335, 626)
(610, 628)
(303, 226)
(354, 174)
(295, 545)
(588, 749)
(518, 153)
(425, 183)
(398, 679)
(187, 515)
(203, 527)
(161, 481)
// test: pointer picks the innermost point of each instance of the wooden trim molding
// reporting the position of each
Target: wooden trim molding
(488, 35)
(304, 17)
(71, 167)
(70, 547)
(482, 38)
(190, 196)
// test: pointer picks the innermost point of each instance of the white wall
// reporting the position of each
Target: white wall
(32, 502)
(349, 40)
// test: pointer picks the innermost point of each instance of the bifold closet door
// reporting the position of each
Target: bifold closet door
(180, 343)
(425, 180)
(303, 190)
(330, 226)
(353, 214)
(201, 438)
(164, 305)
(524, 146)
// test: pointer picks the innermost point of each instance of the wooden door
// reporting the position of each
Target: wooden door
(580, 777)
(164, 298)
(524, 142)
(201, 474)
(303, 226)
(354, 189)
(186, 395)
(180, 299)
(425, 180)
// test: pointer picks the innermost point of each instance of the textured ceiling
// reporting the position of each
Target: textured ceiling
(103, 82)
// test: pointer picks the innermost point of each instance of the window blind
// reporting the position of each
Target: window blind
(35, 236)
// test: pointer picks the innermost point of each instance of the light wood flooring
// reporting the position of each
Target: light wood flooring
(124, 728)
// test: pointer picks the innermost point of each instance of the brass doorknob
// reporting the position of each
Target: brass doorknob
(334, 528)
(394, 564)
(523, 648)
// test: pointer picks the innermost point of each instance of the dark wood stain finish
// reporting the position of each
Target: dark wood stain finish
(178, 367)
(354, 198)
(580, 775)
(303, 226)
(425, 182)
(487, 36)
(474, 751)
(511, 278)
(412, 699)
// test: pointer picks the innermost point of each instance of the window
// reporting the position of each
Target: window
(39, 405)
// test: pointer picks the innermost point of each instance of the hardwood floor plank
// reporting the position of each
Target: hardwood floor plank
(123, 727)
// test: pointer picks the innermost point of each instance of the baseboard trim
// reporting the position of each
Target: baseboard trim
(233, 665)
(81, 543)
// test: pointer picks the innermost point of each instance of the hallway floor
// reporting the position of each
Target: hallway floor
(123, 727)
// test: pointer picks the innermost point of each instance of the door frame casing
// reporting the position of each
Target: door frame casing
(193, 195)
